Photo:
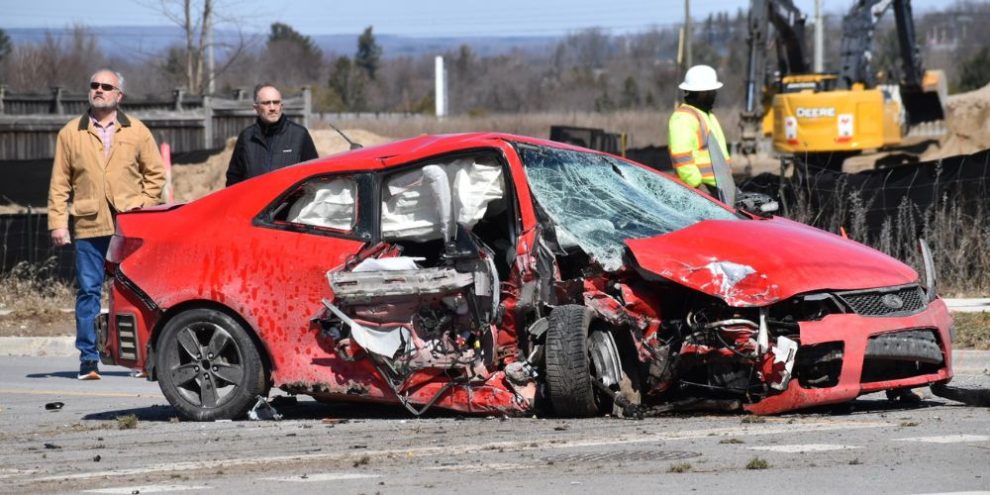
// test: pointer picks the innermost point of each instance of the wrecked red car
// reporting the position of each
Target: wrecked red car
(491, 273)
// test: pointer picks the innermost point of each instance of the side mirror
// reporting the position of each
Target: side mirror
(758, 204)
(931, 284)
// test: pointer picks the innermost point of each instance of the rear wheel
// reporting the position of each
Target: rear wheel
(208, 366)
(568, 365)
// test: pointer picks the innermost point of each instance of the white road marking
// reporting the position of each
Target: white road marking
(772, 427)
(960, 438)
(127, 490)
(811, 447)
(72, 393)
(11, 472)
(499, 466)
(323, 477)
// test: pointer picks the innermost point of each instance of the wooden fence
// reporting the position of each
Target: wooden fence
(30, 122)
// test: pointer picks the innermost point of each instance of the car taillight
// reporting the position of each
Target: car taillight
(121, 247)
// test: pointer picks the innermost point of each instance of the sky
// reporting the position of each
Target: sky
(400, 17)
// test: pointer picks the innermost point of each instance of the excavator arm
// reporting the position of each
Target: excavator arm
(788, 34)
(922, 102)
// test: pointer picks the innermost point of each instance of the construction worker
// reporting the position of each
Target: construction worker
(697, 145)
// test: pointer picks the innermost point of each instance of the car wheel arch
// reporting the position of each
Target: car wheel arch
(184, 306)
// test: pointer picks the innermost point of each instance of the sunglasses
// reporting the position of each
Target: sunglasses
(103, 86)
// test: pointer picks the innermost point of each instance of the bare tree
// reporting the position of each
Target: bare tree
(65, 61)
(198, 20)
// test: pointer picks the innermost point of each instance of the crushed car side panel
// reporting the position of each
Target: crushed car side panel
(434, 324)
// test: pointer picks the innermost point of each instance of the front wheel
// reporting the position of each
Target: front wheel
(208, 366)
(568, 364)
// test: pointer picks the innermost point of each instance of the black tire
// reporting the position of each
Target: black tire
(568, 366)
(208, 366)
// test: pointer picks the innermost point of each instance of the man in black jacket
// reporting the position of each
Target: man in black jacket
(272, 142)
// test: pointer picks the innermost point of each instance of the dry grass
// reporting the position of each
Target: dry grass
(757, 463)
(127, 422)
(972, 331)
(959, 239)
(33, 290)
(753, 420)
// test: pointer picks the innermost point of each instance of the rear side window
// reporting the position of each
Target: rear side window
(322, 202)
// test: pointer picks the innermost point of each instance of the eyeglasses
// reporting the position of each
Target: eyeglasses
(269, 102)
(103, 86)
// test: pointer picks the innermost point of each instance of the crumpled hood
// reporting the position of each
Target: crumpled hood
(758, 262)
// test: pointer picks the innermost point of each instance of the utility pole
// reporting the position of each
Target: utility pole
(440, 88)
(208, 19)
(687, 34)
(819, 38)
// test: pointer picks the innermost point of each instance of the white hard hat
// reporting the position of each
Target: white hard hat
(700, 78)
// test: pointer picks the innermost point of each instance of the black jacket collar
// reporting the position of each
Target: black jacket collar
(271, 129)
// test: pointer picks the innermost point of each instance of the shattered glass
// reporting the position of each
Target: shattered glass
(597, 201)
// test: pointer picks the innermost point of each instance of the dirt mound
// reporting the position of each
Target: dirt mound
(196, 180)
(967, 124)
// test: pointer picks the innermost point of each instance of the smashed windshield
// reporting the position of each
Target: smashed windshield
(597, 201)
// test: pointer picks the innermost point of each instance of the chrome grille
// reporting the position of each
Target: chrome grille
(885, 302)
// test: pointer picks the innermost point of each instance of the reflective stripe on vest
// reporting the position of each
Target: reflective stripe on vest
(704, 164)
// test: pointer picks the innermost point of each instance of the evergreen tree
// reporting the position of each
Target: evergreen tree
(284, 32)
(5, 45)
(369, 53)
(975, 72)
(630, 93)
(293, 58)
(340, 81)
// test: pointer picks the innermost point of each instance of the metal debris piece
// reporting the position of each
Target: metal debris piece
(263, 411)
(628, 409)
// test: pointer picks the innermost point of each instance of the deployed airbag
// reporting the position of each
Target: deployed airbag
(413, 208)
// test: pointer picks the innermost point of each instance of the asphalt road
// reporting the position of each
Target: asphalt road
(872, 446)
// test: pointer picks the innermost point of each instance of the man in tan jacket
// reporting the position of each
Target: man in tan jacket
(105, 162)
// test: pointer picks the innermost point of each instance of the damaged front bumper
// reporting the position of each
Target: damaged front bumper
(844, 356)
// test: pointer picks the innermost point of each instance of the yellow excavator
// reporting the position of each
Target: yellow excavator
(823, 118)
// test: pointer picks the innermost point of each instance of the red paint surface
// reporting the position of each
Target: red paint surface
(854, 332)
(788, 258)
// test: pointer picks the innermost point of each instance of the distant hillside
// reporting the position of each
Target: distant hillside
(125, 41)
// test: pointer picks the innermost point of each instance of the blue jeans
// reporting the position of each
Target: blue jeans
(90, 273)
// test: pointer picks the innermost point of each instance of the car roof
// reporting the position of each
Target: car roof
(380, 157)
(397, 152)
